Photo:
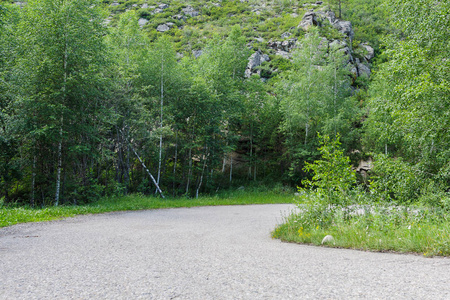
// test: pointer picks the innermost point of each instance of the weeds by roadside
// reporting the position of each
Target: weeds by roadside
(380, 227)
(11, 215)
(332, 204)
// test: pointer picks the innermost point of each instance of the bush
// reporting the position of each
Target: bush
(333, 175)
(394, 180)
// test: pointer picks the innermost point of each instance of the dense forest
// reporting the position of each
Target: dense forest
(101, 98)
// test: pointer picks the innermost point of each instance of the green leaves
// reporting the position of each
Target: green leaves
(332, 173)
(410, 103)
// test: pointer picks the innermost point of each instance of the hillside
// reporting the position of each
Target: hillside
(117, 97)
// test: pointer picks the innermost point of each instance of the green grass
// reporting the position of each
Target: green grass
(425, 231)
(14, 215)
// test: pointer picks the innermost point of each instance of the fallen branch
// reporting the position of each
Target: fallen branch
(145, 167)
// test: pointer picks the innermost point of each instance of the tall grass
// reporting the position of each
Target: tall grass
(10, 215)
(378, 227)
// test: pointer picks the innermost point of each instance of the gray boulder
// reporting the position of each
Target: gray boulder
(255, 60)
(363, 70)
(179, 17)
(330, 16)
(369, 52)
(190, 11)
(343, 48)
(163, 28)
(353, 70)
(142, 22)
(309, 19)
(286, 46)
(283, 54)
(163, 6)
(197, 53)
(286, 35)
(344, 27)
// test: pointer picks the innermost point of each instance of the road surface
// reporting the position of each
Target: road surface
(222, 252)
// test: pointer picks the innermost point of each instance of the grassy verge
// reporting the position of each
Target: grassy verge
(380, 228)
(14, 215)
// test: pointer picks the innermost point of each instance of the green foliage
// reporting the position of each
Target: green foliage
(333, 173)
(314, 97)
(370, 19)
(395, 179)
(409, 96)
(379, 228)
(96, 90)
(10, 215)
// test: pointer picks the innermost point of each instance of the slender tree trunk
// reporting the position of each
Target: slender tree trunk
(127, 170)
(231, 167)
(33, 181)
(189, 171)
(161, 119)
(224, 160)
(119, 146)
(306, 132)
(224, 163)
(148, 172)
(190, 162)
(145, 167)
(203, 171)
(340, 11)
(58, 172)
(251, 152)
(335, 100)
(175, 162)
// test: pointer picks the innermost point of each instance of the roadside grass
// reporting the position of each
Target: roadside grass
(381, 228)
(10, 215)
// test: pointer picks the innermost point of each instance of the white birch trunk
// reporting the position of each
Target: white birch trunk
(175, 161)
(201, 176)
(231, 167)
(251, 153)
(146, 169)
(33, 181)
(189, 171)
(335, 100)
(58, 172)
(224, 163)
(161, 119)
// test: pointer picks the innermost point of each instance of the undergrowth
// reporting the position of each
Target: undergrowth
(10, 215)
(332, 204)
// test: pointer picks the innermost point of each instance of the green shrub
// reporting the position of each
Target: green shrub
(394, 180)
(333, 175)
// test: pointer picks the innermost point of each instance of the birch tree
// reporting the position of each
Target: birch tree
(409, 102)
(62, 80)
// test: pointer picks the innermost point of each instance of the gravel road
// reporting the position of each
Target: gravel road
(200, 253)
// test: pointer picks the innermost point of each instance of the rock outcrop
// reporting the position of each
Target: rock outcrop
(358, 67)
(190, 11)
(163, 28)
(254, 61)
(142, 22)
